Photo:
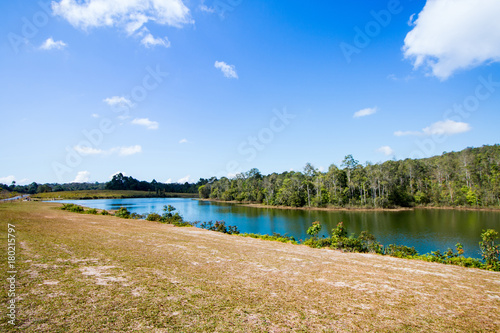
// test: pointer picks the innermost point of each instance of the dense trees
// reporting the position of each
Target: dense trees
(118, 182)
(467, 178)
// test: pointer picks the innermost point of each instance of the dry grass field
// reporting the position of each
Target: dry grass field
(88, 273)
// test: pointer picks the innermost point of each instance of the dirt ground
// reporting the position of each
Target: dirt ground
(87, 273)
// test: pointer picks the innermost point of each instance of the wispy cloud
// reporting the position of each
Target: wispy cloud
(84, 150)
(183, 141)
(148, 40)
(206, 9)
(132, 150)
(453, 35)
(7, 180)
(229, 71)
(118, 101)
(94, 115)
(444, 127)
(82, 177)
(149, 124)
(365, 112)
(121, 151)
(50, 44)
(407, 133)
(386, 150)
(184, 179)
(130, 16)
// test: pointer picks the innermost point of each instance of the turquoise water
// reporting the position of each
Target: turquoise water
(425, 229)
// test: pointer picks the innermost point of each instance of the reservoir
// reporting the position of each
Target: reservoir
(425, 229)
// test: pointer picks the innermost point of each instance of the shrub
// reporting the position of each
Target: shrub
(350, 244)
(220, 226)
(123, 213)
(153, 217)
(369, 242)
(400, 251)
(92, 211)
(137, 216)
(105, 212)
(73, 208)
(490, 251)
(314, 229)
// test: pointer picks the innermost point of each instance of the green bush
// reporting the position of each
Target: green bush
(105, 212)
(350, 244)
(400, 251)
(73, 208)
(220, 226)
(369, 242)
(314, 229)
(153, 217)
(123, 213)
(92, 211)
(490, 250)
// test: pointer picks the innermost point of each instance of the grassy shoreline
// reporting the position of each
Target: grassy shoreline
(83, 273)
(107, 194)
(353, 209)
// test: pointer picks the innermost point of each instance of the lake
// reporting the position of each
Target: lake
(425, 229)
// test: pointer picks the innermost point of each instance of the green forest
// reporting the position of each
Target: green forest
(469, 178)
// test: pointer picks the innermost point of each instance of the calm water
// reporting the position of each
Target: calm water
(426, 230)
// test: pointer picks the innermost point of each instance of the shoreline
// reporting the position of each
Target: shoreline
(354, 209)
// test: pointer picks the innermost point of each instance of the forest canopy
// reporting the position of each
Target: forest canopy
(470, 177)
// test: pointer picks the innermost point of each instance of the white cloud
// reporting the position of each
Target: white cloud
(184, 179)
(386, 150)
(150, 41)
(7, 180)
(169, 181)
(149, 124)
(121, 151)
(411, 20)
(183, 141)
(95, 115)
(126, 151)
(228, 70)
(365, 112)
(123, 173)
(405, 133)
(447, 127)
(444, 127)
(129, 15)
(454, 34)
(82, 177)
(84, 150)
(206, 9)
(118, 101)
(50, 44)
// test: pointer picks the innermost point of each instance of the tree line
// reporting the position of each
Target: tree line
(118, 182)
(470, 177)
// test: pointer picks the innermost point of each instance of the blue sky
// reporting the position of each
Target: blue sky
(177, 90)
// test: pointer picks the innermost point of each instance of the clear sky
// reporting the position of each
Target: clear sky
(176, 90)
